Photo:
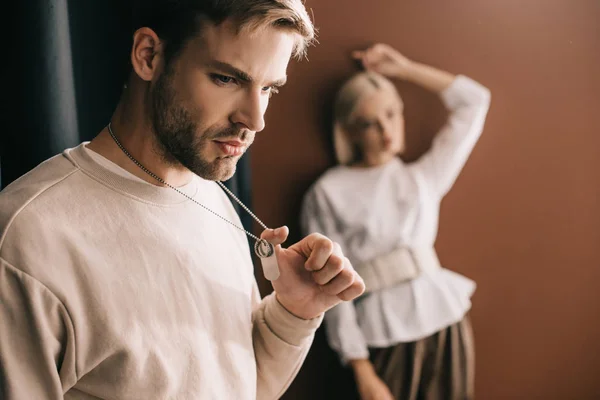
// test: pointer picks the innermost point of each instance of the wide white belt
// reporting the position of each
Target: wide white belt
(397, 266)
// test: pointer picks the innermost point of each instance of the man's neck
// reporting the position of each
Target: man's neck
(135, 136)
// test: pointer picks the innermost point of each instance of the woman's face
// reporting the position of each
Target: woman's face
(376, 126)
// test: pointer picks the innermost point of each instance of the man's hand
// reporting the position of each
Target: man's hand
(314, 274)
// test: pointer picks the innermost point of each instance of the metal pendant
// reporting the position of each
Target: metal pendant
(268, 259)
(263, 249)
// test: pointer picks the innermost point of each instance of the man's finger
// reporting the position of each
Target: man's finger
(305, 246)
(276, 236)
(335, 265)
(355, 290)
(340, 283)
(316, 248)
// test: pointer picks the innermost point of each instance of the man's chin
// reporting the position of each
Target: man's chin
(221, 169)
(226, 175)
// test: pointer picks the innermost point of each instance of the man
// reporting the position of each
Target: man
(122, 275)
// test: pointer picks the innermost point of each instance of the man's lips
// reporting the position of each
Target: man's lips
(231, 148)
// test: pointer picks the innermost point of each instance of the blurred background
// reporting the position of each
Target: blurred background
(523, 219)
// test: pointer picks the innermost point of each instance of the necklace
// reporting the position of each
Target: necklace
(262, 248)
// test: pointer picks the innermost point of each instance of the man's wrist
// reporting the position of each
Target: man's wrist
(293, 311)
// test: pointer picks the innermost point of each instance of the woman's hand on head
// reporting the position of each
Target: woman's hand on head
(385, 60)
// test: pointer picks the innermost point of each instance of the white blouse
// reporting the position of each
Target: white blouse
(371, 211)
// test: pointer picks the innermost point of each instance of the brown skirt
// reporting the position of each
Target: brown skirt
(438, 367)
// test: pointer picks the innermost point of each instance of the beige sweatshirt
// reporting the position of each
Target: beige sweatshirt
(112, 288)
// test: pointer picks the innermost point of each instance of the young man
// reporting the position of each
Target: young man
(122, 275)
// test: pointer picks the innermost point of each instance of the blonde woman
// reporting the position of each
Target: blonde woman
(408, 337)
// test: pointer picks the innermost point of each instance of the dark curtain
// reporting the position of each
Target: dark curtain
(70, 64)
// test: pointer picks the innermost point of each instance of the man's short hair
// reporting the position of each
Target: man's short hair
(177, 21)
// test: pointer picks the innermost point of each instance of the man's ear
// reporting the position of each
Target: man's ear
(146, 54)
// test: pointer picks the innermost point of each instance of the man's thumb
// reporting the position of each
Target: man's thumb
(276, 236)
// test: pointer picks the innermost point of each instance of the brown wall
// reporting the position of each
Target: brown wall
(523, 219)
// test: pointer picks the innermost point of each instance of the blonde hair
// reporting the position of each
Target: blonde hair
(284, 14)
(349, 95)
(176, 21)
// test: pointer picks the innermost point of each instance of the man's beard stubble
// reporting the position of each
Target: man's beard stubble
(177, 134)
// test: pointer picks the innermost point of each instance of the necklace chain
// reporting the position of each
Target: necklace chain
(262, 247)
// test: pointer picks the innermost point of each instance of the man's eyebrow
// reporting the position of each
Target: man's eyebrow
(241, 75)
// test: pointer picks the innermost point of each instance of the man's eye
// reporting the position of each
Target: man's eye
(223, 79)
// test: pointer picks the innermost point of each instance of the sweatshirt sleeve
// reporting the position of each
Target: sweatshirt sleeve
(37, 350)
(281, 343)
